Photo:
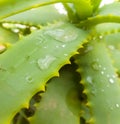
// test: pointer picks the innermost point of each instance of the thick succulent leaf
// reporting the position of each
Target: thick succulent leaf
(107, 28)
(112, 9)
(26, 66)
(95, 4)
(11, 7)
(60, 103)
(71, 12)
(101, 83)
(111, 36)
(113, 44)
(108, 13)
(83, 8)
(7, 37)
(38, 16)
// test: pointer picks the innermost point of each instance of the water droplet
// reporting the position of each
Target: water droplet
(89, 79)
(111, 47)
(95, 66)
(100, 37)
(111, 80)
(45, 47)
(114, 76)
(88, 49)
(65, 54)
(104, 68)
(32, 62)
(57, 46)
(102, 90)
(63, 45)
(102, 72)
(117, 105)
(40, 39)
(108, 75)
(62, 35)
(29, 79)
(111, 108)
(2, 48)
(45, 62)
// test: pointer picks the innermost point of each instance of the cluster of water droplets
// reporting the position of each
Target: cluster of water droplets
(29, 78)
(62, 35)
(45, 62)
(112, 106)
(103, 71)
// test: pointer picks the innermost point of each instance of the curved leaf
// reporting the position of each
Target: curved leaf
(29, 64)
(38, 16)
(12, 7)
(108, 13)
(7, 37)
(112, 9)
(95, 4)
(101, 83)
(83, 8)
(60, 103)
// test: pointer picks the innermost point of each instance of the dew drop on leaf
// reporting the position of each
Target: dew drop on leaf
(29, 79)
(62, 35)
(111, 47)
(100, 37)
(65, 54)
(102, 72)
(117, 105)
(88, 49)
(89, 79)
(95, 66)
(63, 46)
(111, 80)
(45, 62)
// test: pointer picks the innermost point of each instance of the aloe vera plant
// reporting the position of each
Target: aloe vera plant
(58, 68)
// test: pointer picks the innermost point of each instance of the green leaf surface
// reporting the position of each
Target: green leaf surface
(7, 37)
(113, 44)
(38, 16)
(110, 9)
(95, 4)
(30, 63)
(60, 103)
(108, 13)
(11, 7)
(83, 8)
(101, 83)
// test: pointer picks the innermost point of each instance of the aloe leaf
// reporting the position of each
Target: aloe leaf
(38, 16)
(112, 9)
(83, 8)
(26, 67)
(95, 4)
(101, 83)
(71, 12)
(108, 13)
(11, 7)
(7, 36)
(6, 39)
(60, 103)
(107, 29)
(111, 36)
(113, 44)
